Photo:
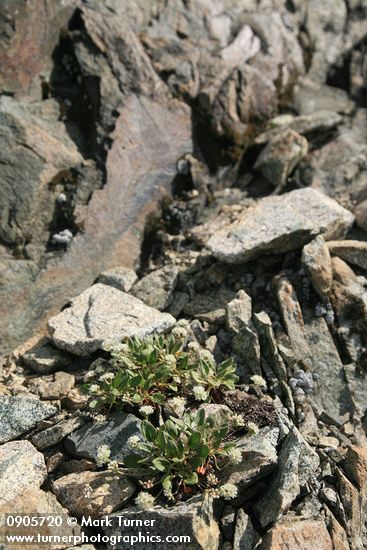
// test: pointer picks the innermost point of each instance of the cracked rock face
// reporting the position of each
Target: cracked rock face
(101, 315)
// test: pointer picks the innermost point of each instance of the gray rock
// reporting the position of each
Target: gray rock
(259, 459)
(53, 386)
(93, 494)
(330, 219)
(121, 278)
(104, 314)
(245, 341)
(22, 467)
(227, 522)
(310, 97)
(245, 536)
(45, 359)
(297, 464)
(19, 415)
(317, 263)
(331, 391)
(293, 320)
(114, 432)
(353, 252)
(360, 213)
(271, 226)
(210, 306)
(281, 155)
(156, 288)
(55, 434)
(193, 518)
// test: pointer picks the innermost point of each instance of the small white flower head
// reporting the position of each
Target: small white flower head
(258, 381)
(100, 418)
(228, 491)
(125, 398)
(199, 393)
(107, 377)
(178, 404)
(170, 360)
(113, 467)
(103, 455)
(237, 420)
(144, 501)
(93, 388)
(93, 404)
(134, 441)
(146, 410)
(89, 375)
(235, 455)
(194, 346)
(168, 494)
(252, 428)
(214, 493)
(212, 479)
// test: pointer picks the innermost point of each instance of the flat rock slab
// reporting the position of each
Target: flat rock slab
(103, 313)
(18, 415)
(191, 518)
(114, 432)
(280, 224)
(22, 467)
(353, 252)
(110, 492)
(46, 359)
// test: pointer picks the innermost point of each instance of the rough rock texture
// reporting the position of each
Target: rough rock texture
(353, 252)
(139, 170)
(45, 359)
(297, 464)
(18, 415)
(22, 468)
(308, 534)
(121, 278)
(104, 314)
(114, 432)
(93, 494)
(53, 435)
(317, 263)
(193, 518)
(281, 155)
(156, 288)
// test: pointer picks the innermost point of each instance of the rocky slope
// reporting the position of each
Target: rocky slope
(194, 166)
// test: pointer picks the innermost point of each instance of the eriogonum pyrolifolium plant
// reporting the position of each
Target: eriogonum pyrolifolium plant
(182, 456)
(145, 372)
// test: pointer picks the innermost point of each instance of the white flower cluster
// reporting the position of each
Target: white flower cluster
(235, 455)
(146, 410)
(107, 377)
(134, 441)
(252, 428)
(228, 491)
(144, 501)
(103, 455)
(93, 388)
(170, 360)
(237, 420)
(199, 393)
(258, 381)
(113, 466)
(212, 479)
(178, 404)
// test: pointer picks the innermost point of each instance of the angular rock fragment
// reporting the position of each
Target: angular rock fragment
(121, 278)
(114, 432)
(297, 533)
(193, 518)
(330, 219)
(353, 252)
(360, 213)
(46, 359)
(330, 393)
(210, 306)
(317, 264)
(103, 313)
(271, 226)
(280, 156)
(245, 535)
(22, 468)
(19, 415)
(280, 224)
(297, 465)
(53, 387)
(53, 435)
(93, 494)
(259, 458)
(245, 341)
(156, 288)
(293, 321)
